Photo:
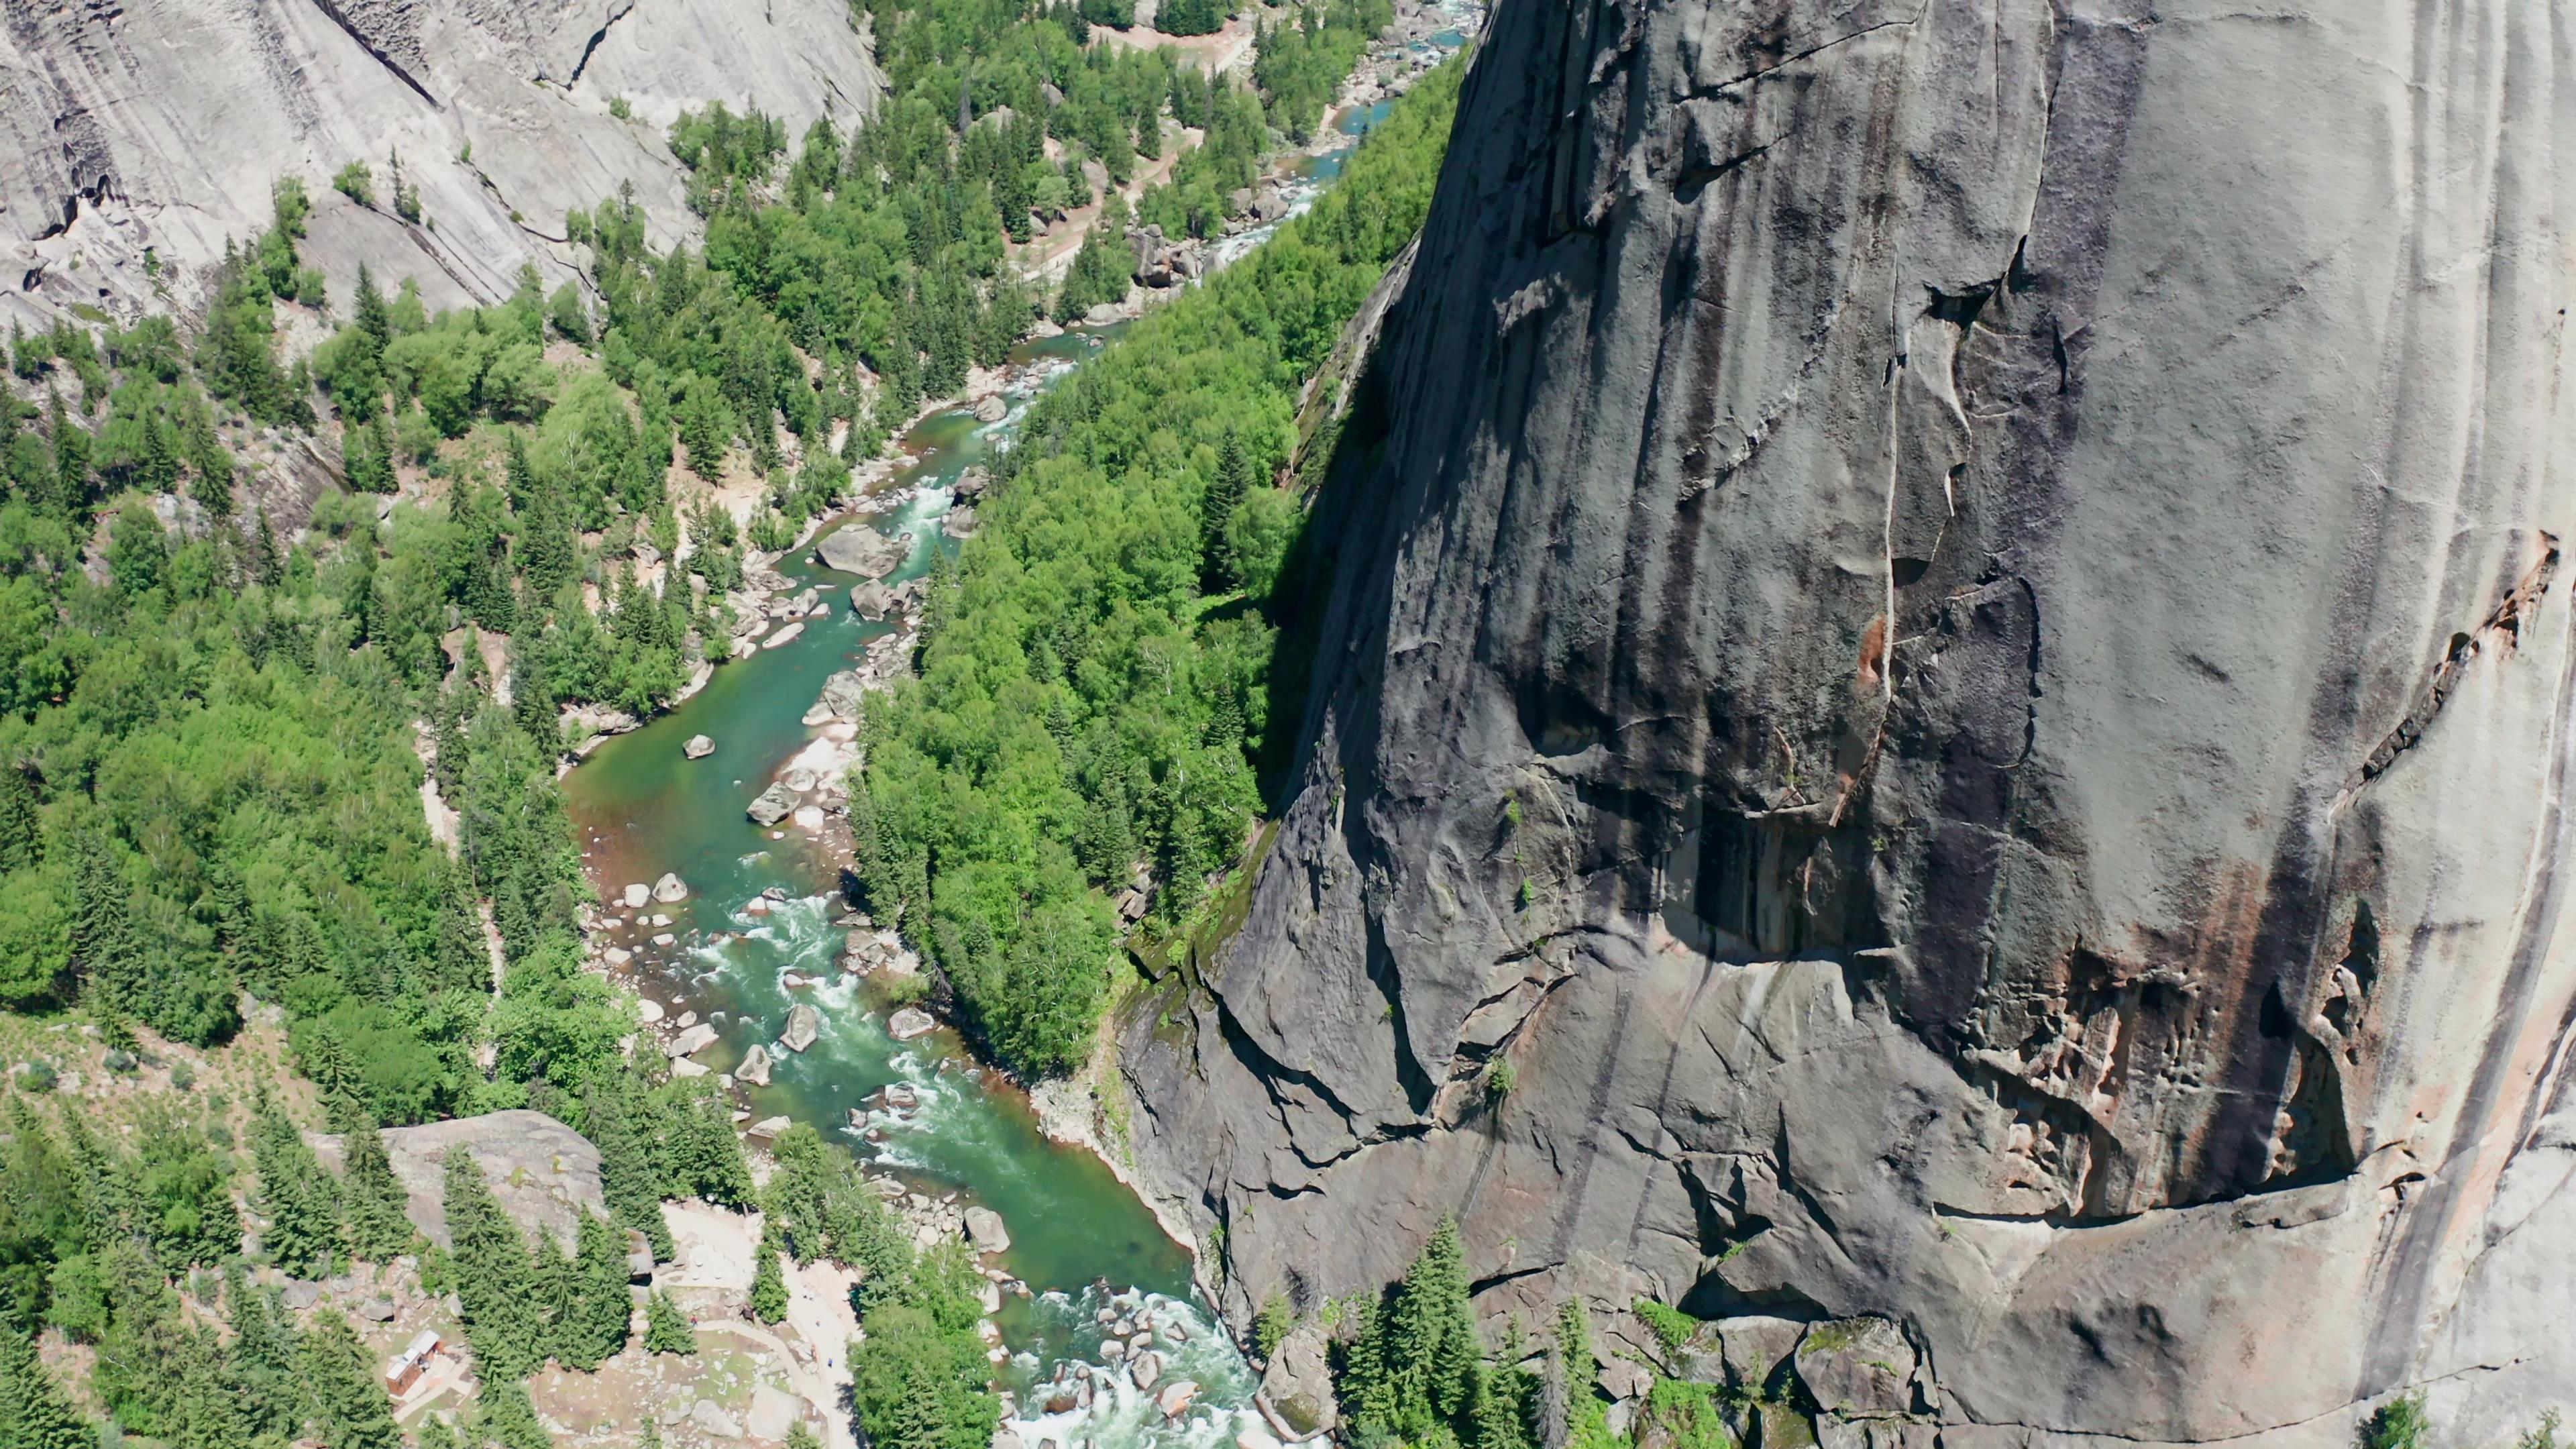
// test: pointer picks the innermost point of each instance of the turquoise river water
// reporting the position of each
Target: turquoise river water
(1080, 1240)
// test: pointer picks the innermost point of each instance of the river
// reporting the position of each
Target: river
(1080, 1240)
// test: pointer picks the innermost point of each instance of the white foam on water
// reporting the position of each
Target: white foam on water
(1122, 1416)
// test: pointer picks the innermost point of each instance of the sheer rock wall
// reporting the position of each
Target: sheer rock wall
(1949, 634)
(158, 128)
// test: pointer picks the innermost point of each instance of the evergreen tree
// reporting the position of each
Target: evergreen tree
(1225, 493)
(379, 1226)
(304, 1228)
(627, 1177)
(496, 1281)
(350, 1410)
(508, 1419)
(667, 1329)
(267, 1359)
(1415, 1366)
(35, 1413)
(208, 1410)
(769, 1284)
(18, 820)
(592, 1326)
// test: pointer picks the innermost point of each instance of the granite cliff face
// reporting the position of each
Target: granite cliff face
(1948, 634)
(159, 127)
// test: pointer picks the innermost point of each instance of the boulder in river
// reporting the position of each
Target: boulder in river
(755, 1067)
(843, 693)
(785, 636)
(984, 1228)
(1298, 1383)
(804, 1023)
(698, 748)
(690, 1042)
(857, 548)
(1175, 1398)
(910, 1022)
(871, 601)
(960, 523)
(774, 805)
(973, 482)
(993, 409)
(637, 894)
(1145, 1368)
(670, 888)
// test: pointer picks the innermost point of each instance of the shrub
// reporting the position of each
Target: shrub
(357, 183)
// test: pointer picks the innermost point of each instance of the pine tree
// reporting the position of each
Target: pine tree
(379, 1226)
(208, 1410)
(496, 1281)
(627, 1178)
(304, 1229)
(350, 1410)
(769, 1285)
(1415, 1367)
(266, 1358)
(508, 1419)
(667, 1329)
(267, 565)
(18, 819)
(592, 1326)
(35, 1413)
(1225, 492)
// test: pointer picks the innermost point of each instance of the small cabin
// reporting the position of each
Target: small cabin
(407, 1366)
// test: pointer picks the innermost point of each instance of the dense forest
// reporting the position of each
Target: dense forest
(1094, 681)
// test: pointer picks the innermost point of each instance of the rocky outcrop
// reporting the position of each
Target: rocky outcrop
(156, 130)
(543, 1173)
(1946, 700)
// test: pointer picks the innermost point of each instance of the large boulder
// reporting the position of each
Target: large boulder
(690, 1041)
(543, 1173)
(857, 547)
(670, 888)
(804, 1024)
(772, 805)
(754, 1067)
(984, 1229)
(1298, 1382)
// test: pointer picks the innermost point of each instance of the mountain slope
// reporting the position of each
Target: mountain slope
(158, 129)
(1948, 635)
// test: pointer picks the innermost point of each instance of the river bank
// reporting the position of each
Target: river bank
(755, 971)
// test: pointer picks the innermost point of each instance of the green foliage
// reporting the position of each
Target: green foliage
(305, 1233)
(356, 182)
(667, 1329)
(695, 1146)
(820, 1207)
(1191, 17)
(1587, 1418)
(919, 1375)
(505, 1417)
(629, 1179)
(35, 1413)
(1684, 1416)
(350, 1410)
(769, 1282)
(1299, 66)
(591, 1326)
(1671, 1326)
(496, 1280)
(1270, 1328)
(379, 1230)
(1085, 701)
(2398, 1424)
(1416, 1363)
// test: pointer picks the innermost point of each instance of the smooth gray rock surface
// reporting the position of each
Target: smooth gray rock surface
(543, 1173)
(1948, 631)
(162, 127)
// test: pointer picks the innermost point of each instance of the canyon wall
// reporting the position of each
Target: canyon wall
(136, 138)
(1946, 696)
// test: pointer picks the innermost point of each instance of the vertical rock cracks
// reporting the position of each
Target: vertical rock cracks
(1945, 629)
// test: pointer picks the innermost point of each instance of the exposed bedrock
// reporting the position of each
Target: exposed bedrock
(160, 127)
(1950, 635)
